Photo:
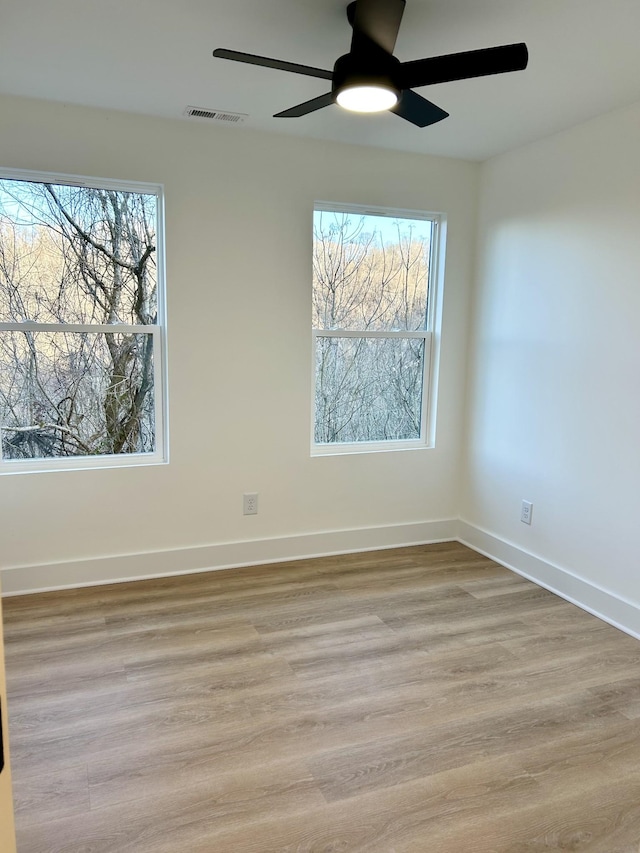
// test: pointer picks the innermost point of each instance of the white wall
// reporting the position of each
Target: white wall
(554, 403)
(238, 226)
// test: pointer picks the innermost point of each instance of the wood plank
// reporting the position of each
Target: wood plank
(401, 701)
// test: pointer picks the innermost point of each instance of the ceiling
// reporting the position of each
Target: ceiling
(154, 57)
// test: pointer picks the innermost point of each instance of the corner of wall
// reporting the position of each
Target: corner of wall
(605, 604)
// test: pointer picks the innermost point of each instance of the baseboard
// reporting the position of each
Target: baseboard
(127, 567)
(603, 603)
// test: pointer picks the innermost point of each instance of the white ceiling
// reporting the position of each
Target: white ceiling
(154, 57)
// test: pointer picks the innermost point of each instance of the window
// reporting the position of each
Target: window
(373, 319)
(81, 323)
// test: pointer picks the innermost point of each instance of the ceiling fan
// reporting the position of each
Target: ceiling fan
(370, 79)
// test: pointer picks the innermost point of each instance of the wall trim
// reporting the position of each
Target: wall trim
(618, 611)
(19, 580)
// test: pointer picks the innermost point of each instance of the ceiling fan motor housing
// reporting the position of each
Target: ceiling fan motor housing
(362, 69)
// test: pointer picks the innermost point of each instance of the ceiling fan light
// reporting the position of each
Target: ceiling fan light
(367, 99)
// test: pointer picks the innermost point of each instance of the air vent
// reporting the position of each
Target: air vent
(216, 115)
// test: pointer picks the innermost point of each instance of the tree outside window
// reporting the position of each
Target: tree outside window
(80, 327)
(371, 328)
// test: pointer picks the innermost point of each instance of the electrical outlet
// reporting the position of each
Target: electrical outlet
(250, 503)
(526, 512)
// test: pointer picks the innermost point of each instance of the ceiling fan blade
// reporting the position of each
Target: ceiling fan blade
(461, 66)
(418, 110)
(307, 107)
(377, 20)
(251, 59)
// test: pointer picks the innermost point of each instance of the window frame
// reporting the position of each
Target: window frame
(430, 334)
(158, 331)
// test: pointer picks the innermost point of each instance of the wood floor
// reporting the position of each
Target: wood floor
(421, 700)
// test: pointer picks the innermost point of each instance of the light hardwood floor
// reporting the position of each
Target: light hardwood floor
(420, 700)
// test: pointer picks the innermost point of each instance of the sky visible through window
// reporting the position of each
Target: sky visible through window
(370, 301)
(74, 260)
(385, 227)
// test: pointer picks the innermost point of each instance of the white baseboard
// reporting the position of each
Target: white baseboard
(228, 555)
(603, 603)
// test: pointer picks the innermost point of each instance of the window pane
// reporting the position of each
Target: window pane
(76, 254)
(370, 272)
(368, 389)
(75, 394)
